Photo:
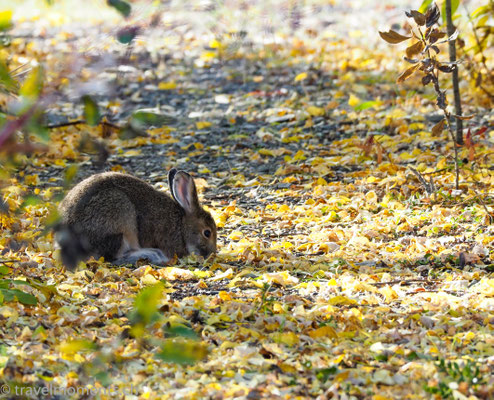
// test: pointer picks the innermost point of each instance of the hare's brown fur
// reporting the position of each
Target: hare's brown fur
(115, 213)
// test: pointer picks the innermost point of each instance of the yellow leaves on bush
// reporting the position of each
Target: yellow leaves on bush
(5, 19)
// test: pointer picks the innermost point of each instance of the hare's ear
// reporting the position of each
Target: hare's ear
(171, 177)
(184, 192)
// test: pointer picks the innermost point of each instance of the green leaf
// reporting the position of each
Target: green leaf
(5, 20)
(5, 78)
(25, 298)
(48, 290)
(103, 378)
(35, 125)
(485, 9)
(424, 6)
(4, 270)
(454, 7)
(30, 200)
(324, 374)
(180, 331)
(8, 296)
(144, 119)
(127, 34)
(367, 104)
(70, 174)
(146, 302)
(91, 111)
(184, 352)
(20, 282)
(32, 86)
(121, 6)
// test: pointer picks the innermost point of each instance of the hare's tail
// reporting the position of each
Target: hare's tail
(74, 247)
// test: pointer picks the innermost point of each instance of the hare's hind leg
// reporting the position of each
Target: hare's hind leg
(109, 222)
(154, 256)
(114, 233)
(130, 250)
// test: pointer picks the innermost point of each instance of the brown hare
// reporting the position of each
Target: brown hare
(124, 219)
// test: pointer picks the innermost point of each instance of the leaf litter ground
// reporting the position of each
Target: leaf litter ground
(337, 274)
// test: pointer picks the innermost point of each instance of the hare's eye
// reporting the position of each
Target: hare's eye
(206, 233)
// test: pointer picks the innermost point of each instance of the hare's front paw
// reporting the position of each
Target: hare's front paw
(154, 256)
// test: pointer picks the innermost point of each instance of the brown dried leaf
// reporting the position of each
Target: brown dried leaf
(438, 128)
(393, 37)
(446, 68)
(367, 145)
(470, 144)
(426, 80)
(407, 73)
(464, 117)
(432, 15)
(435, 48)
(435, 35)
(417, 16)
(415, 48)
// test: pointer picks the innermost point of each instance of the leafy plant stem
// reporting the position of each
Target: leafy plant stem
(447, 116)
(456, 87)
